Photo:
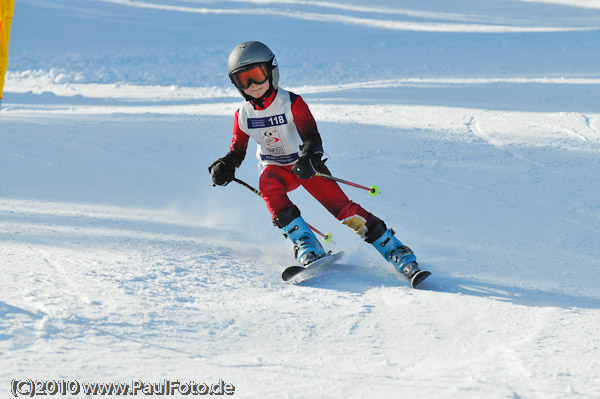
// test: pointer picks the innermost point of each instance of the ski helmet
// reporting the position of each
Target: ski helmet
(248, 55)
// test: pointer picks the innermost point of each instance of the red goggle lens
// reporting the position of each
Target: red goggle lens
(258, 74)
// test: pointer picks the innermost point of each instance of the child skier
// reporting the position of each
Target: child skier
(289, 154)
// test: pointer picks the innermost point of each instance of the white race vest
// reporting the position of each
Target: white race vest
(277, 139)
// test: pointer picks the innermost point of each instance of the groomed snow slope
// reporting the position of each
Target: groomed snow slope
(478, 120)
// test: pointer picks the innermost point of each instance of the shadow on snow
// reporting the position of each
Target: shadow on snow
(359, 279)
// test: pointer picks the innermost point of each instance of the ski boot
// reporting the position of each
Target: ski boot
(307, 248)
(401, 256)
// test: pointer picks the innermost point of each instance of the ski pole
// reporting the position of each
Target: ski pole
(373, 190)
(327, 237)
(249, 187)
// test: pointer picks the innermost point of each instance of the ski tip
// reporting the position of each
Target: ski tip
(290, 272)
(419, 277)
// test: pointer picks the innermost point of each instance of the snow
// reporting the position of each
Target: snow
(478, 120)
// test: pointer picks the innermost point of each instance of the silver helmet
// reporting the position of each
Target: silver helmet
(248, 55)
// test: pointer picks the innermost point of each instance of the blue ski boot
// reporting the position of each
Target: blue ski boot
(401, 256)
(306, 246)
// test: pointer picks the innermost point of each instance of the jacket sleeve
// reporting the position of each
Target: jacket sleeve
(306, 125)
(239, 143)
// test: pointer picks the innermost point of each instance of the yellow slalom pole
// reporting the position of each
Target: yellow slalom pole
(7, 8)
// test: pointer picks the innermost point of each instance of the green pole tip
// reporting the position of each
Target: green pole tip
(374, 191)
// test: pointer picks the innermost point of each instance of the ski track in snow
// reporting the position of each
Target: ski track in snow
(351, 20)
(61, 83)
(512, 127)
(121, 262)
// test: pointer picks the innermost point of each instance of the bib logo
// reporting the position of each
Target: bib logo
(272, 141)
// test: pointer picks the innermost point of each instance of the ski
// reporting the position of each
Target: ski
(292, 271)
(419, 277)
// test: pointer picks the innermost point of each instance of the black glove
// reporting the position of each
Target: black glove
(305, 168)
(310, 158)
(222, 171)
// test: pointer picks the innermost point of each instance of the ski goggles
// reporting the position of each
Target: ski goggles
(243, 78)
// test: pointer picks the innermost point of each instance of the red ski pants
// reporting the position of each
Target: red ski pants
(277, 181)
